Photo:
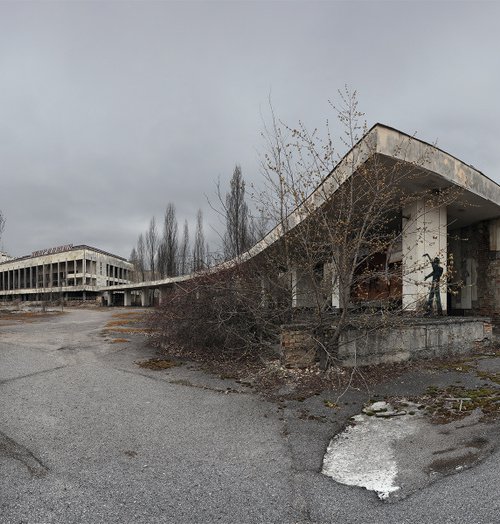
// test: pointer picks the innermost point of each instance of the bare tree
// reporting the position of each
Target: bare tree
(199, 253)
(331, 260)
(151, 247)
(134, 261)
(168, 245)
(170, 231)
(2, 223)
(184, 251)
(237, 237)
(341, 218)
(259, 227)
(141, 257)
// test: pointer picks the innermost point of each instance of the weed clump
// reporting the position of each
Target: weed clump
(456, 402)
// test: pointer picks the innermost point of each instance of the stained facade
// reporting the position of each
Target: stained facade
(72, 272)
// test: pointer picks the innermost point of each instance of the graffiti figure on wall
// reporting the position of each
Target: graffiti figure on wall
(434, 294)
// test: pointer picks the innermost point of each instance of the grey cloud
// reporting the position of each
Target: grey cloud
(109, 110)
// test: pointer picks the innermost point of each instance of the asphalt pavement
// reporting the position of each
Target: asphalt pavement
(87, 436)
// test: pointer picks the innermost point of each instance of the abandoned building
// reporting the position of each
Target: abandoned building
(462, 233)
(458, 237)
(68, 272)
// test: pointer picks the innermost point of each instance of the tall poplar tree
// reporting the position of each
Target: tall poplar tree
(237, 238)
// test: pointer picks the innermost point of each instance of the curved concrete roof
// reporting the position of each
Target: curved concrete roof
(440, 169)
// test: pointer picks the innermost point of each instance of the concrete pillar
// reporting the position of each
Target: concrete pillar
(110, 298)
(127, 298)
(145, 297)
(164, 293)
(330, 273)
(424, 232)
(303, 288)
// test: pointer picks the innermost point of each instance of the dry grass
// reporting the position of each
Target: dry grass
(119, 340)
(133, 316)
(26, 316)
(113, 323)
(124, 323)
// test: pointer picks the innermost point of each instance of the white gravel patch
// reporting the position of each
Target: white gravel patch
(363, 454)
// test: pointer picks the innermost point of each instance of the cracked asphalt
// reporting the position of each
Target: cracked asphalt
(86, 436)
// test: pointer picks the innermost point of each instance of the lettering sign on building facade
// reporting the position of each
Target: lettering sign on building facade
(52, 250)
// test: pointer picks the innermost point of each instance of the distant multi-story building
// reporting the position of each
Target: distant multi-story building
(72, 272)
(4, 257)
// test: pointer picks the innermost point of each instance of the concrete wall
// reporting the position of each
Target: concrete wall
(428, 338)
(476, 279)
(424, 338)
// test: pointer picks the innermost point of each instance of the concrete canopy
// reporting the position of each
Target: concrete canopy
(431, 169)
(480, 198)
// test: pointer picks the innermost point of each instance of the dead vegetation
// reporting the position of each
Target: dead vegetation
(267, 375)
(450, 403)
(12, 316)
(123, 318)
(127, 322)
(130, 330)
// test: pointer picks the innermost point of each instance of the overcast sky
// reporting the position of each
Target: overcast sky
(110, 110)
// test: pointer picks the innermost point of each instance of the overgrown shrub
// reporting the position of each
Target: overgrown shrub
(227, 311)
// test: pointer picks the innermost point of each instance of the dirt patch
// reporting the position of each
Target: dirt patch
(446, 466)
(478, 442)
(119, 340)
(157, 364)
